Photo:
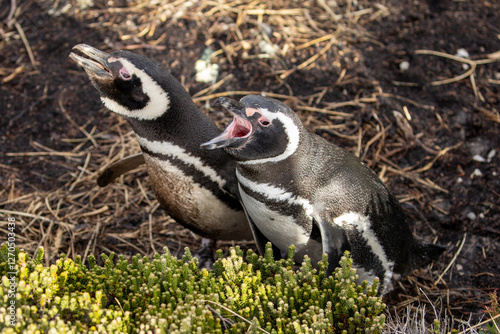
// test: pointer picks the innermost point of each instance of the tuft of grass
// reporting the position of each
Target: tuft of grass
(243, 293)
(414, 321)
(493, 310)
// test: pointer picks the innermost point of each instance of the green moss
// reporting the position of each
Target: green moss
(243, 293)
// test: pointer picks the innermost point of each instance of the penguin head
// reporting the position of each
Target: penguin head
(262, 130)
(129, 84)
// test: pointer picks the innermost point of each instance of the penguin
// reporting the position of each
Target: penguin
(298, 188)
(197, 188)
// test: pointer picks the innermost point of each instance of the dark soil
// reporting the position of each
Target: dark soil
(461, 198)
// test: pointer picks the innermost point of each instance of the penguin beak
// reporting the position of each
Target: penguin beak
(96, 66)
(237, 132)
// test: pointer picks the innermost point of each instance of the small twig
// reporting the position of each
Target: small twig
(437, 156)
(26, 44)
(150, 225)
(10, 18)
(326, 111)
(95, 212)
(94, 236)
(213, 87)
(116, 236)
(224, 320)
(472, 63)
(85, 165)
(234, 313)
(452, 260)
(407, 100)
(335, 17)
(82, 130)
(242, 92)
(291, 11)
(310, 60)
(34, 154)
(480, 324)
(477, 94)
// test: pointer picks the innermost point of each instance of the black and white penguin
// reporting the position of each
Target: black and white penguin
(197, 188)
(298, 188)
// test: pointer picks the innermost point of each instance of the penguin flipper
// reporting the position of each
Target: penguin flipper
(120, 167)
(334, 241)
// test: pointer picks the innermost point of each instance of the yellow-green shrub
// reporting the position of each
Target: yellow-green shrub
(170, 295)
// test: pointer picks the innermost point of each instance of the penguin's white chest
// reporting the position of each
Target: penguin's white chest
(193, 205)
(282, 230)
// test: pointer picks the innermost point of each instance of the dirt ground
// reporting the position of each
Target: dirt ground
(354, 71)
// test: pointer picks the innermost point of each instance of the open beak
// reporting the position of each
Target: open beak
(96, 63)
(237, 132)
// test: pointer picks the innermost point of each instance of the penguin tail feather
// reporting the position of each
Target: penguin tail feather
(424, 253)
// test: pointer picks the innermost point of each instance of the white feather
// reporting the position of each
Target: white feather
(291, 130)
(169, 149)
(363, 225)
(275, 193)
(159, 100)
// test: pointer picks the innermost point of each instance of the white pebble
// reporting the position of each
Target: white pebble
(462, 53)
(481, 215)
(478, 158)
(205, 70)
(491, 155)
(404, 66)
(471, 215)
(477, 173)
(460, 180)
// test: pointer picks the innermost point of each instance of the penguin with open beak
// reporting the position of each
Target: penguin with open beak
(197, 188)
(298, 188)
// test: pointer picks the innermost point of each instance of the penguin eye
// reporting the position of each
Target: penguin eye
(264, 122)
(124, 74)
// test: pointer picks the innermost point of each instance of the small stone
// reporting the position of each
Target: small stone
(205, 70)
(475, 173)
(491, 155)
(266, 48)
(460, 269)
(471, 215)
(478, 158)
(460, 180)
(404, 66)
(462, 53)
(481, 215)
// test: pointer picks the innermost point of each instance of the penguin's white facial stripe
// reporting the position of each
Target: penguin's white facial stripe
(159, 100)
(291, 129)
(363, 225)
(276, 194)
(169, 149)
(250, 111)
